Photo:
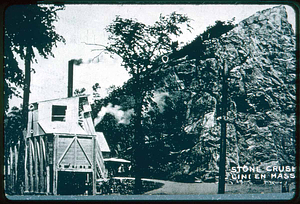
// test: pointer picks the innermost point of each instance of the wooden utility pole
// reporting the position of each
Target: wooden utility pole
(221, 189)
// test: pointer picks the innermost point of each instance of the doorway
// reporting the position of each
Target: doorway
(74, 183)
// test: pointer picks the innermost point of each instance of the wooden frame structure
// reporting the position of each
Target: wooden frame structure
(62, 154)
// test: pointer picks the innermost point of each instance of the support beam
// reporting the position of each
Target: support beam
(94, 165)
(55, 143)
(16, 160)
(221, 189)
(48, 180)
(31, 165)
(36, 170)
(26, 167)
(16, 166)
(42, 163)
(11, 157)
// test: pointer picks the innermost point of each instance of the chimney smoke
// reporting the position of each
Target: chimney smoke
(77, 61)
(71, 64)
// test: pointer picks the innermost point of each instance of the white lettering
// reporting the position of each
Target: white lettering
(239, 168)
(281, 168)
(269, 168)
(273, 175)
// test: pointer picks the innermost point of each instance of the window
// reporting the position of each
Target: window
(59, 113)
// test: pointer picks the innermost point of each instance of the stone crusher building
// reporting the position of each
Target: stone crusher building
(63, 154)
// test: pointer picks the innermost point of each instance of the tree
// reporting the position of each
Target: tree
(28, 29)
(260, 118)
(79, 92)
(12, 135)
(141, 47)
(13, 74)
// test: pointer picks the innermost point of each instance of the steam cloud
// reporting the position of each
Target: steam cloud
(123, 117)
(159, 98)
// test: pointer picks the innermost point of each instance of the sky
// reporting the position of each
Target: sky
(85, 24)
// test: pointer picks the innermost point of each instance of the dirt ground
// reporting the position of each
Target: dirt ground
(176, 188)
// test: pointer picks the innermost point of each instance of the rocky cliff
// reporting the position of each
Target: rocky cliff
(182, 127)
(259, 57)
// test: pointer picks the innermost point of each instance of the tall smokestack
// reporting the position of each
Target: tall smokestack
(70, 74)
(70, 78)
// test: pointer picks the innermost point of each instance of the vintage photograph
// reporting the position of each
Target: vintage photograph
(158, 101)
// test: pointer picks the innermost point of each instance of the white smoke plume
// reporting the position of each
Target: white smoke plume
(159, 98)
(123, 117)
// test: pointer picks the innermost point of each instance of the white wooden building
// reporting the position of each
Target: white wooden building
(63, 153)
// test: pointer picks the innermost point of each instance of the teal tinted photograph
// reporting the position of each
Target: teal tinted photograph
(149, 102)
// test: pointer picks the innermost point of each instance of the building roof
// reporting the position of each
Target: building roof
(117, 160)
(59, 99)
(102, 142)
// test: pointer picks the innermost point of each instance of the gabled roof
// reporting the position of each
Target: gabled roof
(63, 98)
(102, 142)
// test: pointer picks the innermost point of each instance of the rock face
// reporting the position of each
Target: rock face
(258, 56)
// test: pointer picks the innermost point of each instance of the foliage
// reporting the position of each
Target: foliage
(79, 92)
(12, 130)
(32, 26)
(183, 140)
(12, 126)
(12, 135)
(119, 140)
(164, 130)
(13, 75)
(196, 49)
(139, 45)
(27, 26)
